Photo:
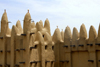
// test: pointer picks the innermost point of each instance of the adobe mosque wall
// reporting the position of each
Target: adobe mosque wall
(33, 45)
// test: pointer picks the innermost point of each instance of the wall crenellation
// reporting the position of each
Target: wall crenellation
(33, 45)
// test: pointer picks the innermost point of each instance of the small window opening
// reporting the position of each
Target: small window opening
(35, 46)
(52, 47)
(45, 47)
(43, 36)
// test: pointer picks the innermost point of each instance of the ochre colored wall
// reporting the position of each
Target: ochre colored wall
(33, 45)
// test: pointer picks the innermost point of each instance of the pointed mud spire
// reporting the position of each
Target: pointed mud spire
(62, 35)
(47, 25)
(83, 32)
(38, 26)
(32, 25)
(4, 23)
(27, 22)
(41, 23)
(75, 35)
(4, 16)
(56, 36)
(92, 34)
(18, 25)
(67, 33)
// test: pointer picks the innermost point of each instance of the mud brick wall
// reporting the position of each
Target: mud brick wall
(33, 45)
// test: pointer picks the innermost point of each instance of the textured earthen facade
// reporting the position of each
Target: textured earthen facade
(33, 46)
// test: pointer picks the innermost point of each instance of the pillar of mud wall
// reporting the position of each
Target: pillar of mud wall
(43, 64)
(42, 50)
(75, 37)
(14, 33)
(57, 39)
(56, 52)
(4, 26)
(2, 51)
(67, 48)
(18, 45)
(91, 47)
(18, 53)
(48, 50)
(62, 50)
(53, 56)
(27, 23)
(35, 52)
(8, 51)
(61, 54)
(74, 47)
(82, 45)
(26, 42)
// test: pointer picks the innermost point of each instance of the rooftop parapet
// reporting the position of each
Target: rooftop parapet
(57, 36)
(92, 34)
(27, 22)
(47, 26)
(67, 35)
(75, 35)
(4, 23)
(83, 32)
(18, 25)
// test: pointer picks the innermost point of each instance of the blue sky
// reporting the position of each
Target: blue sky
(60, 13)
